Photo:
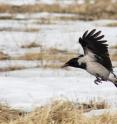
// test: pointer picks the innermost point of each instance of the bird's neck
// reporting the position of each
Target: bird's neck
(82, 62)
(83, 66)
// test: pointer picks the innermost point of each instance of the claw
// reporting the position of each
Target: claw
(97, 81)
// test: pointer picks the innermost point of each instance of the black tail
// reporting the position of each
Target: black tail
(115, 84)
(113, 78)
(116, 78)
(114, 75)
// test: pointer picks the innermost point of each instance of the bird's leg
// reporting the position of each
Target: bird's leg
(98, 80)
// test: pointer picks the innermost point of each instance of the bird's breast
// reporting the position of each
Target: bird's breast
(95, 68)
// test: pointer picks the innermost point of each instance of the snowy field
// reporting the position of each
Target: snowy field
(20, 2)
(35, 86)
(57, 34)
(25, 29)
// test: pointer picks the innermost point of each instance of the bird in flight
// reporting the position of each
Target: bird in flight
(95, 59)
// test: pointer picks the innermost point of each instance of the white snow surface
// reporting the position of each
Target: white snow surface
(61, 35)
(20, 2)
(29, 88)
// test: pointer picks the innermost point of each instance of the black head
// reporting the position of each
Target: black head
(74, 63)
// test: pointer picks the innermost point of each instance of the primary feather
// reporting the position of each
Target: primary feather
(93, 42)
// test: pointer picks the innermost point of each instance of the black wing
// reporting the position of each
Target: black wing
(93, 42)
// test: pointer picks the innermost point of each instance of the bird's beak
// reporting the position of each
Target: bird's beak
(65, 65)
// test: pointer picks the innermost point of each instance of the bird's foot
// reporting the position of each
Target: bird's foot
(98, 81)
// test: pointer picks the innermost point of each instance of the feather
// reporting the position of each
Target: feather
(91, 33)
(85, 34)
(96, 34)
(99, 38)
(93, 42)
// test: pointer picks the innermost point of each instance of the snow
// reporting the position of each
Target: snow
(21, 2)
(18, 2)
(18, 63)
(29, 88)
(61, 35)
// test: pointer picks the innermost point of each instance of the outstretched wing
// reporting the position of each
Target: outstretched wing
(92, 42)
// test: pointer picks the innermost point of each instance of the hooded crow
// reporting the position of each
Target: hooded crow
(96, 58)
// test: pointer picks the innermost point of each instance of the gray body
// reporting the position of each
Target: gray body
(93, 67)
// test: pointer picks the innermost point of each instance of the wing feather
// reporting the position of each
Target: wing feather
(97, 34)
(91, 33)
(93, 42)
(104, 41)
(85, 34)
(99, 38)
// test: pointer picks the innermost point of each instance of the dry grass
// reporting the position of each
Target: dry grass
(50, 58)
(51, 54)
(3, 56)
(47, 60)
(47, 20)
(7, 17)
(54, 19)
(92, 105)
(66, 18)
(12, 68)
(32, 8)
(7, 114)
(31, 45)
(114, 47)
(101, 9)
(114, 24)
(58, 112)
(20, 29)
(114, 57)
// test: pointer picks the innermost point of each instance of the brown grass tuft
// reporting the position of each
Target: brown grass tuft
(114, 57)
(31, 45)
(92, 105)
(49, 57)
(58, 112)
(19, 29)
(3, 56)
(51, 54)
(114, 24)
(7, 114)
(12, 68)
(100, 9)
(114, 47)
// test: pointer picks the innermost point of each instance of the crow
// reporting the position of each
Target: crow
(95, 59)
